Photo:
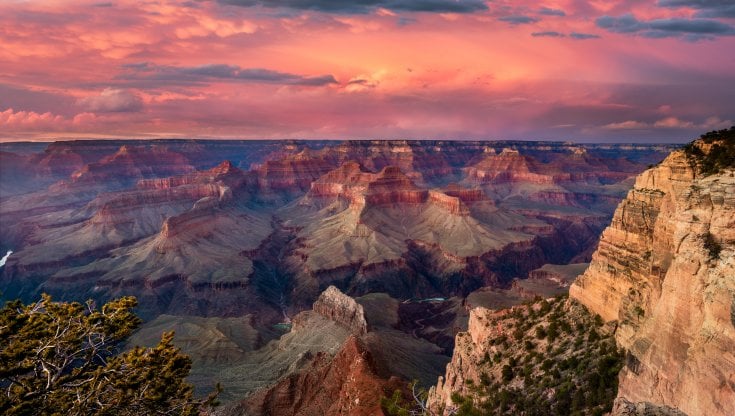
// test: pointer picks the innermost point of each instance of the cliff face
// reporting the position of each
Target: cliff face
(469, 349)
(345, 384)
(665, 271)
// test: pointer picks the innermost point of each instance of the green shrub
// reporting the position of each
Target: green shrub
(712, 246)
(720, 156)
(540, 332)
(507, 373)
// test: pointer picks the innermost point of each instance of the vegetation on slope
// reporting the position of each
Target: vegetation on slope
(60, 358)
(559, 360)
(721, 154)
(556, 359)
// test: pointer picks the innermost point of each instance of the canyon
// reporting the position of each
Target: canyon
(354, 262)
(655, 306)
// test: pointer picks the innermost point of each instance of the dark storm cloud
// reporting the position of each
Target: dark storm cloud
(518, 19)
(583, 36)
(689, 29)
(366, 6)
(549, 34)
(573, 35)
(20, 98)
(705, 8)
(547, 11)
(165, 74)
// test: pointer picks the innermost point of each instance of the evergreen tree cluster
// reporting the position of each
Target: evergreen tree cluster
(59, 358)
(555, 359)
(560, 361)
(721, 154)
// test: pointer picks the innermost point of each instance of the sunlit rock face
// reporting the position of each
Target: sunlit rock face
(665, 271)
(342, 309)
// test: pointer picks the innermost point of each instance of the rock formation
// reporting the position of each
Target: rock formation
(548, 281)
(337, 306)
(665, 271)
(346, 384)
(508, 166)
(323, 366)
(131, 163)
(623, 407)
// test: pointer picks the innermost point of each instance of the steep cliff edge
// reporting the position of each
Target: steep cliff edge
(549, 357)
(665, 271)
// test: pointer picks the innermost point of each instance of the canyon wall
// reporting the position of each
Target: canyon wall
(665, 271)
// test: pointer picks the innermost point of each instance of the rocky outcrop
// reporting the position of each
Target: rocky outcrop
(623, 407)
(346, 384)
(335, 305)
(225, 173)
(389, 186)
(466, 195)
(665, 271)
(291, 174)
(548, 281)
(328, 364)
(469, 347)
(110, 206)
(451, 204)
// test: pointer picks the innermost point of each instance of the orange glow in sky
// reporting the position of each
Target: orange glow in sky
(459, 69)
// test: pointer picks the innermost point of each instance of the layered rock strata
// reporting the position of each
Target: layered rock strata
(665, 271)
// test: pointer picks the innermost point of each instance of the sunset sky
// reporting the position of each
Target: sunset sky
(639, 70)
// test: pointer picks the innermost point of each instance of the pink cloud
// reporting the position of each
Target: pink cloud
(29, 121)
(626, 125)
(219, 70)
(11, 119)
(673, 123)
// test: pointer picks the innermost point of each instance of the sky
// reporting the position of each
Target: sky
(588, 71)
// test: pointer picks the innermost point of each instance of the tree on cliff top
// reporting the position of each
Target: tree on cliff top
(59, 358)
(721, 154)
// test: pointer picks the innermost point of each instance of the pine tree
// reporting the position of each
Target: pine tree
(61, 358)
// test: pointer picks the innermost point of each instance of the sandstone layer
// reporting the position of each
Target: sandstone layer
(665, 272)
